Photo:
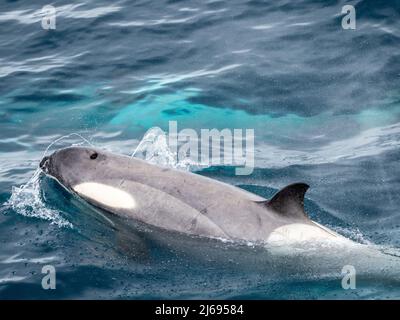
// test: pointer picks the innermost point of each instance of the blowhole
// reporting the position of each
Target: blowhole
(93, 156)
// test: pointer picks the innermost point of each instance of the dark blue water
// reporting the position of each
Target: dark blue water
(324, 103)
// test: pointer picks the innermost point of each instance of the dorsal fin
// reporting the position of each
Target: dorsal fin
(289, 201)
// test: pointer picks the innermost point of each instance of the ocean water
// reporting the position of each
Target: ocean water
(324, 103)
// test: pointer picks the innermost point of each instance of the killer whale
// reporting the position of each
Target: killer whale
(181, 201)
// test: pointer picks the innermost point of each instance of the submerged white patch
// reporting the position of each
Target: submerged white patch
(300, 232)
(105, 194)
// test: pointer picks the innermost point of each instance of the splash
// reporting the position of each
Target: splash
(153, 148)
(27, 199)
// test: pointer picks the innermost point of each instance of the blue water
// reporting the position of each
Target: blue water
(324, 103)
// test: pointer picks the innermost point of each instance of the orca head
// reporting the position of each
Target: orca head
(74, 165)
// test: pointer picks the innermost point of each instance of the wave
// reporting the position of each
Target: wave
(31, 16)
(16, 259)
(11, 279)
(37, 65)
(370, 142)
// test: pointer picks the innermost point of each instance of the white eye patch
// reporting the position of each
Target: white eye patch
(105, 194)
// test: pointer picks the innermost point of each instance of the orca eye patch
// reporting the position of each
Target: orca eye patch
(93, 156)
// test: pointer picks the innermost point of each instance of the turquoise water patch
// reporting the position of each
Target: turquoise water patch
(158, 109)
